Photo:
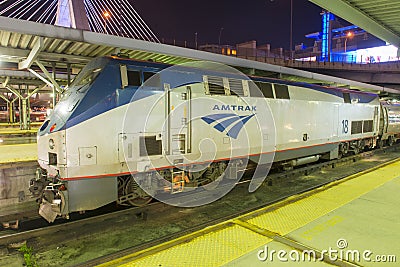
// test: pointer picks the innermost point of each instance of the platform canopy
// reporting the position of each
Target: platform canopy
(28, 45)
(378, 17)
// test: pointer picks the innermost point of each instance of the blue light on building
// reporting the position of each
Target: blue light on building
(326, 20)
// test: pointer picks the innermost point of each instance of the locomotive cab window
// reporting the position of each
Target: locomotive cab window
(147, 75)
(281, 91)
(134, 78)
(86, 77)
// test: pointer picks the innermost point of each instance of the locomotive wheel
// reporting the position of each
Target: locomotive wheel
(212, 177)
(141, 198)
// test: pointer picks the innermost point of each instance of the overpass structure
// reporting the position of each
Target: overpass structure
(36, 57)
(378, 17)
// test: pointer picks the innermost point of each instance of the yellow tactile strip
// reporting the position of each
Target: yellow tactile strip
(212, 249)
(295, 215)
(227, 241)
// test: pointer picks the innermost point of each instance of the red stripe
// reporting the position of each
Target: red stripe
(183, 165)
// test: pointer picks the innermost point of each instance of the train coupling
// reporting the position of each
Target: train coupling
(38, 184)
(54, 202)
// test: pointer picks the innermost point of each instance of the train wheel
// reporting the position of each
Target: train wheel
(140, 197)
(213, 176)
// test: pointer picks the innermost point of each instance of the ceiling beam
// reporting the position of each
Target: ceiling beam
(34, 53)
(359, 18)
(16, 54)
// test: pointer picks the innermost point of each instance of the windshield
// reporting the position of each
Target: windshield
(86, 77)
(73, 95)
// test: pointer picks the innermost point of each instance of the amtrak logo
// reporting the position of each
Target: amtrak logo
(232, 121)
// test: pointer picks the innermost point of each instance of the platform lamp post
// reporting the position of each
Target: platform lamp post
(106, 16)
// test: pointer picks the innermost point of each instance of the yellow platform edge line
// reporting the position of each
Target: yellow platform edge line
(12, 132)
(220, 226)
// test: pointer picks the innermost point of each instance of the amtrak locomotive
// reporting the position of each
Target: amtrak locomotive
(122, 123)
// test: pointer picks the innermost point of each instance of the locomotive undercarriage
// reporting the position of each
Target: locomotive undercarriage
(173, 181)
(136, 189)
(356, 146)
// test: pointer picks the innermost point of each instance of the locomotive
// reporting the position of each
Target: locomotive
(127, 130)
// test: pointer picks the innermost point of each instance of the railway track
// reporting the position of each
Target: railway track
(272, 178)
(43, 238)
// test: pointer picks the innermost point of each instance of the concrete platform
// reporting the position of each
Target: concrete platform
(18, 153)
(18, 164)
(353, 222)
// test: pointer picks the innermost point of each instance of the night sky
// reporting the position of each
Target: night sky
(266, 21)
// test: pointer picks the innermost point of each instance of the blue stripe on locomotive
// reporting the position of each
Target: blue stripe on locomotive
(105, 92)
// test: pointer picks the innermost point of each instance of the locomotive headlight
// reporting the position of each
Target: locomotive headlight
(51, 143)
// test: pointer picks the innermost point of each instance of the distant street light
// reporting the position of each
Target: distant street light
(348, 35)
(106, 16)
(220, 33)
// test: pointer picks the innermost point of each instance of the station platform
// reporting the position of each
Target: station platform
(18, 153)
(16, 131)
(11, 135)
(351, 222)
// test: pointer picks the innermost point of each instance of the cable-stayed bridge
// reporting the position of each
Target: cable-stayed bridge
(114, 17)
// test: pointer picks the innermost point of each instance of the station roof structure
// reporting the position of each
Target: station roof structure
(378, 17)
(25, 43)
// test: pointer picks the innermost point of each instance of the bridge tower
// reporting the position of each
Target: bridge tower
(71, 13)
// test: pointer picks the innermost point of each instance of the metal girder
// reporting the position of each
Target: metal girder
(359, 18)
(32, 55)
(16, 54)
(41, 77)
(48, 75)
(15, 92)
(5, 83)
(26, 75)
